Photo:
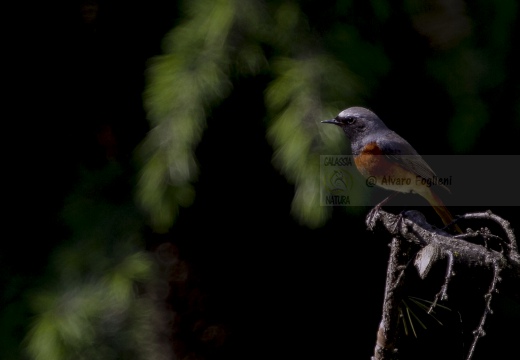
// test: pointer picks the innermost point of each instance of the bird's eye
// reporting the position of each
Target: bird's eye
(350, 120)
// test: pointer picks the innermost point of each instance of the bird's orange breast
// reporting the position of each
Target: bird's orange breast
(371, 162)
(388, 174)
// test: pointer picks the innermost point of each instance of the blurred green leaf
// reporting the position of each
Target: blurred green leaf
(194, 75)
(296, 101)
(182, 86)
(92, 306)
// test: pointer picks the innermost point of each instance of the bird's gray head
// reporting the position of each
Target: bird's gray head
(357, 122)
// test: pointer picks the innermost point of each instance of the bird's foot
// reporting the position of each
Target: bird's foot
(373, 215)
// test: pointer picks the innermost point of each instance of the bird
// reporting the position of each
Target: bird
(382, 154)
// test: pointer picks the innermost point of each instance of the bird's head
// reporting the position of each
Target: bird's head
(356, 122)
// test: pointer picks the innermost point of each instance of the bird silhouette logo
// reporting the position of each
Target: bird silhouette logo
(338, 182)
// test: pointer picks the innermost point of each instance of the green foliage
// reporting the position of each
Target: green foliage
(85, 319)
(220, 39)
(295, 102)
(94, 310)
(182, 86)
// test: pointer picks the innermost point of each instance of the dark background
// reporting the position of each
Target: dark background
(274, 288)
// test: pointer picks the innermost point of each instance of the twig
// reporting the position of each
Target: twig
(443, 293)
(479, 332)
(385, 348)
(506, 226)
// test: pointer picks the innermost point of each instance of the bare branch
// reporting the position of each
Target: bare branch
(387, 333)
(435, 244)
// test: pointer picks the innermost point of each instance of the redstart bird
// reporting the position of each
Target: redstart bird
(385, 156)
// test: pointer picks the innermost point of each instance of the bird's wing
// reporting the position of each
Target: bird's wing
(398, 150)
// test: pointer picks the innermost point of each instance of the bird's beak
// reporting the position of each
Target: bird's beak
(331, 121)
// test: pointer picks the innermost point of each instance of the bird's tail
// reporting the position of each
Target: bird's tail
(442, 211)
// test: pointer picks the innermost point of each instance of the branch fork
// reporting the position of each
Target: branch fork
(430, 244)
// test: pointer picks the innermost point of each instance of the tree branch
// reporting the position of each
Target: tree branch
(387, 333)
(434, 244)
